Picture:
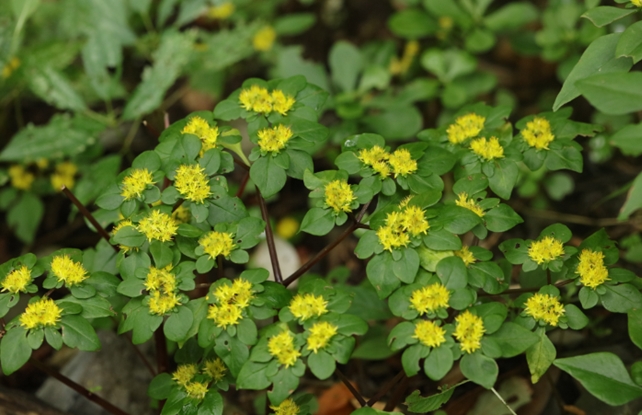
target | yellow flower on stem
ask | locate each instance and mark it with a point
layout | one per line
(414, 221)
(429, 333)
(544, 307)
(306, 306)
(466, 256)
(67, 270)
(162, 302)
(537, 133)
(339, 196)
(202, 129)
(222, 11)
(264, 39)
(469, 331)
(281, 102)
(282, 348)
(41, 313)
(64, 176)
(215, 368)
(591, 268)
(217, 243)
(402, 163)
(21, 178)
(465, 127)
(545, 250)
(225, 315)
(135, 183)
(256, 98)
(192, 183)
(196, 390)
(487, 149)
(184, 374)
(320, 335)
(637, 3)
(376, 158)
(160, 279)
(158, 226)
(287, 407)
(242, 292)
(273, 140)
(17, 280)
(470, 204)
(430, 298)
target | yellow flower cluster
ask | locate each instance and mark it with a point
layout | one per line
(469, 331)
(184, 374)
(544, 307)
(135, 183)
(339, 196)
(182, 214)
(217, 243)
(320, 335)
(400, 66)
(202, 129)
(637, 3)
(306, 306)
(465, 127)
(469, 203)
(67, 270)
(17, 280)
(429, 333)
(545, 250)
(287, 407)
(400, 226)
(41, 313)
(430, 298)
(487, 149)
(215, 368)
(232, 300)
(161, 284)
(259, 99)
(466, 256)
(158, 226)
(538, 133)
(191, 182)
(400, 162)
(64, 176)
(281, 346)
(222, 11)
(196, 390)
(264, 39)
(591, 268)
(21, 178)
(274, 139)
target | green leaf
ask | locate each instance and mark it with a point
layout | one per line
(438, 363)
(504, 179)
(603, 375)
(317, 221)
(406, 268)
(395, 122)
(129, 236)
(564, 158)
(442, 240)
(160, 387)
(24, 217)
(294, 23)
(540, 355)
(94, 307)
(621, 298)
(452, 272)
(597, 58)
(284, 383)
(514, 339)
(603, 15)
(613, 94)
(267, 176)
(576, 319)
(511, 16)
(321, 364)
(233, 352)
(212, 404)
(633, 199)
(635, 326)
(502, 218)
(345, 64)
(178, 324)
(162, 253)
(169, 59)
(381, 275)
(448, 64)
(14, 350)
(480, 369)
(628, 138)
(54, 88)
(412, 24)
(252, 376)
(630, 43)
(421, 405)
(77, 332)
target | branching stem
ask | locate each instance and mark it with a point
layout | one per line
(269, 236)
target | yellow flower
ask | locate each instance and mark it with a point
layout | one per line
(202, 129)
(222, 11)
(414, 221)
(217, 243)
(225, 315)
(67, 270)
(20, 177)
(281, 102)
(376, 158)
(538, 133)
(469, 331)
(243, 292)
(184, 374)
(264, 39)
(41, 313)
(287, 407)
(470, 204)
(135, 183)
(339, 196)
(182, 214)
(429, 333)
(402, 163)
(306, 306)
(191, 182)
(544, 307)
(161, 302)
(466, 256)
(395, 233)
(281, 346)
(160, 279)
(591, 268)
(287, 227)
(159, 226)
(545, 250)
(196, 390)
(487, 149)
(320, 335)
(12, 65)
(430, 298)
(274, 139)
(465, 127)
(401, 66)
(64, 176)
(215, 368)
(17, 280)
(256, 98)
(637, 3)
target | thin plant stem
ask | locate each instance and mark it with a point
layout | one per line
(269, 236)
(87, 214)
(108, 406)
(503, 401)
(241, 189)
(398, 394)
(386, 388)
(351, 388)
(162, 359)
